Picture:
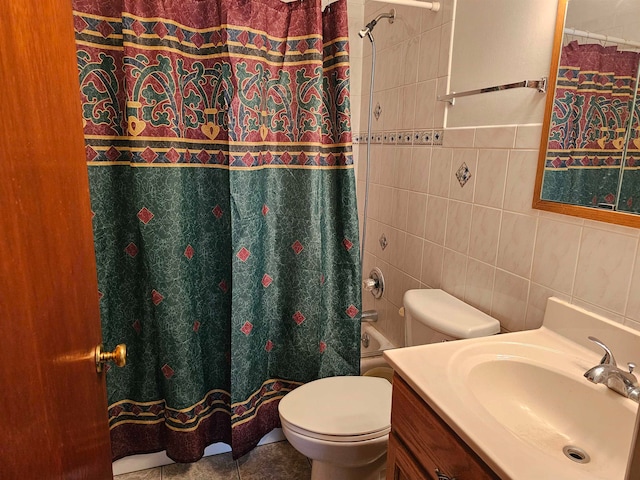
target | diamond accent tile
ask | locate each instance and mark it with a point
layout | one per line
(463, 174)
(437, 137)
(383, 241)
(377, 111)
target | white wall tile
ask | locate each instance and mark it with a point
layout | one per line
(521, 175)
(425, 104)
(495, 137)
(432, 257)
(440, 173)
(528, 136)
(485, 233)
(538, 296)
(458, 226)
(479, 285)
(420, 169)
(515, 248)
(556, 254)
(490, 177)
(429, 55)
(407, 107)
(459, 137)
(411, 261)
(453, 276)
(509, 302)
(399, 210)
(402, 166)
(436, 220)
(416, 213)
(604, 270)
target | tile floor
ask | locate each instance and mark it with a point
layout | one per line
(274, 461)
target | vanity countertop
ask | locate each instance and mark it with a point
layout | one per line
(518, 399)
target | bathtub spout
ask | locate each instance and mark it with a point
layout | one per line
(370, 316)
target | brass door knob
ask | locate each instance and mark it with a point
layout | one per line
(118, 356)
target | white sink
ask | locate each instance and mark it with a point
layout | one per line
(522, 403)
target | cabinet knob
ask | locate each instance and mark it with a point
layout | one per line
(442, 476)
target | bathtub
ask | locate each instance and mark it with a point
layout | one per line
(373, 344)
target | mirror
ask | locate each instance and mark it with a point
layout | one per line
(590, 148)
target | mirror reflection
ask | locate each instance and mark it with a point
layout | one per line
(593, 151)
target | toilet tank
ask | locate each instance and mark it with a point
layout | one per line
(432, 315)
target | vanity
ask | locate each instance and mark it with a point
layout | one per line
(422, 446)
(515, 406)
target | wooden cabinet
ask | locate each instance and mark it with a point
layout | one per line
(423, 447)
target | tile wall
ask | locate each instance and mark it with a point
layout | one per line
(478, 240)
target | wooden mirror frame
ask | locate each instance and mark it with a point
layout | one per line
(620, 218)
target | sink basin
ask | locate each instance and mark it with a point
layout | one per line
(521, 402)
(551, 411)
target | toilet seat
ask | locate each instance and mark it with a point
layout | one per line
(339, 409)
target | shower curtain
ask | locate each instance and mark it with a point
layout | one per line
(593, 98)
(219, 153)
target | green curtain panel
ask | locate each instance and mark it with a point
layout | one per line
(219, 153)
(591, 111)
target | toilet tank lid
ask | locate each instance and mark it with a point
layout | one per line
(445, 313)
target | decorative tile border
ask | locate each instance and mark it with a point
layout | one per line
(404, 137)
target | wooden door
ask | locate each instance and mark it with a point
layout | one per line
(52, 402)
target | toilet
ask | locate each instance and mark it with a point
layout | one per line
(342, 423)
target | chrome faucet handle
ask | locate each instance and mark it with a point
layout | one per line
(608, 358)
(631, 366)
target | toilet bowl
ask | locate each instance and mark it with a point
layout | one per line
(342, 423)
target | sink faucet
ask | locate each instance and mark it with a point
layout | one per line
(608, 373)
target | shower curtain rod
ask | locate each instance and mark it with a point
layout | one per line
(599, 36)
(433, 6)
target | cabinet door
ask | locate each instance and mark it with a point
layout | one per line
(430, 440)
(400, 463)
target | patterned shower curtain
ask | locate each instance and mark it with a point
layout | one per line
(219, 153)
(593, 99)
(629, 200)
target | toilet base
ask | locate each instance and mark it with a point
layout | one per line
(329, 471)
